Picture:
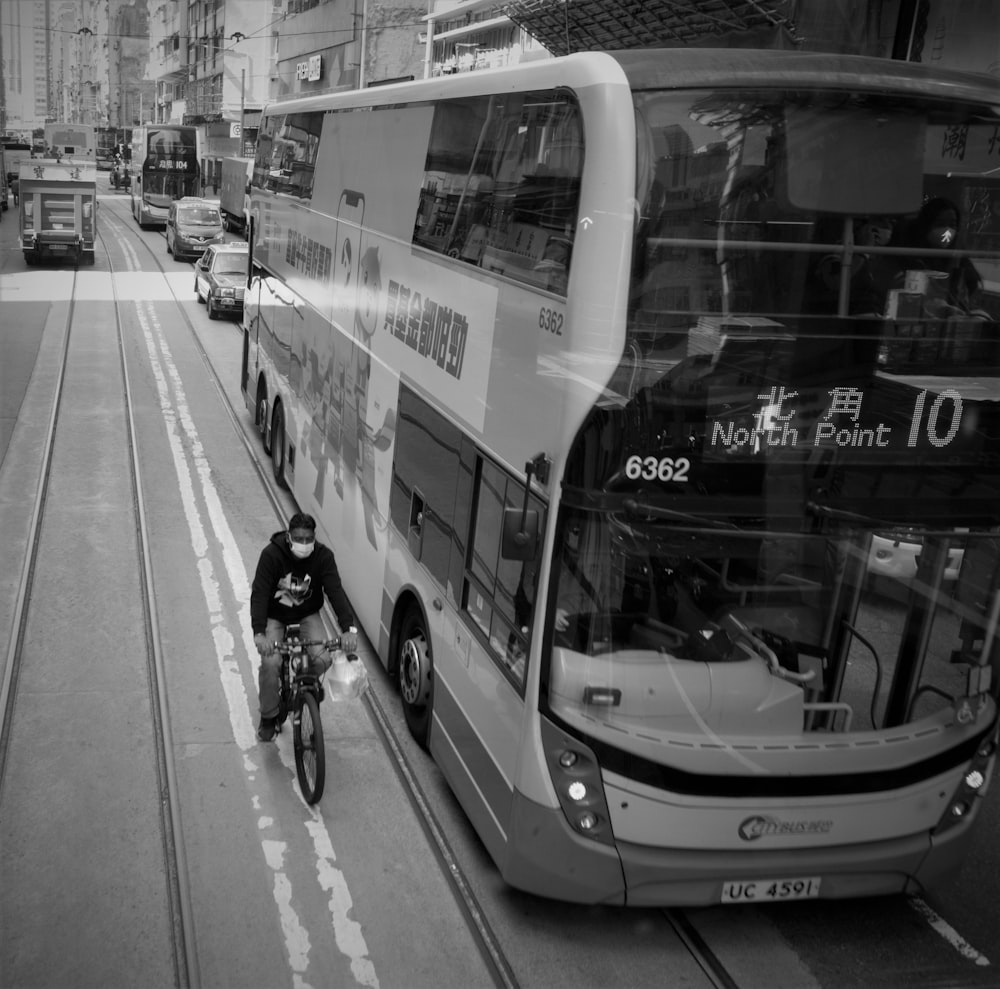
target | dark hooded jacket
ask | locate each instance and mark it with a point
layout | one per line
(287, 589)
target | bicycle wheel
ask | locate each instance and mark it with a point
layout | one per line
(310, 755)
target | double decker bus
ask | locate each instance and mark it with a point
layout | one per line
(609, 405)
(76, 141)
(164, 167)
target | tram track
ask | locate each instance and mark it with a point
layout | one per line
(707, 960)
(179, 910)
(12, 667)
(489, 944)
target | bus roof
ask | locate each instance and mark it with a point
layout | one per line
(742, 68)
(686, 68)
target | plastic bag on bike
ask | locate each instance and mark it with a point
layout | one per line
(347, 679)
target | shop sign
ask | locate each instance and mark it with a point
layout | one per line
(310, 70)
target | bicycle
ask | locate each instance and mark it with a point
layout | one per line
(300, 693)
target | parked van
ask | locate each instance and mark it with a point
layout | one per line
(192, 225)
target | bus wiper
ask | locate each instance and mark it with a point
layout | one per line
(634, 508)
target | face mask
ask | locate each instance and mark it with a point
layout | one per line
(302, 550)
(942, 236)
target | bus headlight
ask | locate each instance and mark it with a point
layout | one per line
(972, 787)
(576, 776)
(974, 779)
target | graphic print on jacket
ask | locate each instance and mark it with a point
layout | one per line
(292, 590)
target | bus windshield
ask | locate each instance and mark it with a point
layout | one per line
(810, 387)
(164, 187)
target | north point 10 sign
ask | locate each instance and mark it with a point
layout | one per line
(933, 421)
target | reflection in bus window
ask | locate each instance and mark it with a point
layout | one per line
(286, 153)
(500, 593)
(733, 230)
(502, 184)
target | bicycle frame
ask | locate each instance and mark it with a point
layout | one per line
(301, 690)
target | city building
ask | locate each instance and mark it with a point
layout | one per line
(474, 34)
(211, 65)
(328, 45)
(216, 63)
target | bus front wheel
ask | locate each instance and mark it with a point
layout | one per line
(416, 675)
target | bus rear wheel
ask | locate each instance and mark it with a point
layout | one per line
(278, 446)
(415, 669)
(261, 421)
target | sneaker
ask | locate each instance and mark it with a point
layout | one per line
(267, 729)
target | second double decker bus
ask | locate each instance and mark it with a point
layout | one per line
(613, 380)
(164, 167)
(75, 141)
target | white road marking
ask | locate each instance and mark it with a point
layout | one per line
(190, 463)
(948, 932)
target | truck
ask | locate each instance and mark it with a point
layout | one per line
(234, 196)
(58, 217)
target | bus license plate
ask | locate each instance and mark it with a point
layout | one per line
(770, 890)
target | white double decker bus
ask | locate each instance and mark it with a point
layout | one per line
(613, 408)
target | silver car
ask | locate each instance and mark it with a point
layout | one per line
(220, 278)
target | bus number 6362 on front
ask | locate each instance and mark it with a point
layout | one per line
(550, 320)
(657, 468)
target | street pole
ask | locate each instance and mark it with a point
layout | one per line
(243, 101)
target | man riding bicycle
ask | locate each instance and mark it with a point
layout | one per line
(293, 572)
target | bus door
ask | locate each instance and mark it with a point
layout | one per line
(136, 190)
(446, 508)
(491, 636)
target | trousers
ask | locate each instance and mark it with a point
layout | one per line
(269, 674)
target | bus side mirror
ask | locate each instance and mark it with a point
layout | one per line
(520, 534)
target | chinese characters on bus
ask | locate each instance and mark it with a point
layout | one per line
(313, 259)
(435, 331)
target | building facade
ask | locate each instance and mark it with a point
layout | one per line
(216, 63)
(210, 62)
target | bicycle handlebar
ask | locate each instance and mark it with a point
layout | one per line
(293, 645)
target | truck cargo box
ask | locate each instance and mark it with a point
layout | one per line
(58, 215)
